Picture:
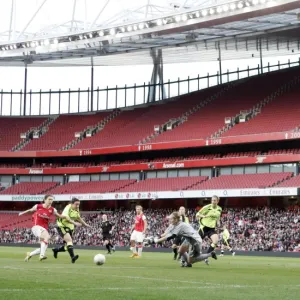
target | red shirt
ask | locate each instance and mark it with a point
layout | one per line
(139, 223)
(42, 216)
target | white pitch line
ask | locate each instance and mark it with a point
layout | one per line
(83, 267)
(108, 289)
(200, 283)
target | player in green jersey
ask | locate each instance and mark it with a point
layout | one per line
(209, 217)
(66, 229)
(226, 243)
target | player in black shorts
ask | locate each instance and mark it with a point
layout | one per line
(209, 217)
(107, 228)
(226, 242)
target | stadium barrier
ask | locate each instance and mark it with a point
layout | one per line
(161, 195)
(168, 250)
(30, 103)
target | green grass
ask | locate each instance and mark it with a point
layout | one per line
(156, 276)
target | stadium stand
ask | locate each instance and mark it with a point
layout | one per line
(262, 180)
(293, 182)
(47, 165)
(12, 127)
(92, 187)
(241, 154)
(209, 120)
(193, 122)
(29, 188)
(62, 131)
(279, 115)
(165, 184)
(283, 151)
(133, 126)
(82, 165)
(11, 221)
(13, 166)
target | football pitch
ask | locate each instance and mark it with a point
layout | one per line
(155, 276)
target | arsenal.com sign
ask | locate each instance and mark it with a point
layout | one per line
(269, 192)
(173, 165)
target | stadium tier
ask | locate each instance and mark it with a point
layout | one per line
(47, 165)
(165, 184)
(133, 126)
(216, 156)
(194, 117)
(283, 151)
(13, 166)
(92, 187)
(11, 221)
(29, 188)
(262, 180)
(279, 115)
(210, 119)
(62, 131)
(11, 128)
(241, 154)
(294, 181)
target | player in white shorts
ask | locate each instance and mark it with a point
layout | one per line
(138, 234)
(41, 217)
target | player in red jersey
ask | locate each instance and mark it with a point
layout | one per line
(41, 217)
(138, 232)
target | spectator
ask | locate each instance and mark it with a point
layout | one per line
(251, 229)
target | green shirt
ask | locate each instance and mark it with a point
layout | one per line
(73, 214)
(212, 215)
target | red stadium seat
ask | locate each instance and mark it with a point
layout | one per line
(29, 188)
(11, 128)
(62, 131)
(244, 181)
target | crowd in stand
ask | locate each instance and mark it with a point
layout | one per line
(264, 229)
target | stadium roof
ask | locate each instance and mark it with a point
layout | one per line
(188, 34)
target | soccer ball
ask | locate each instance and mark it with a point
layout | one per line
(99, 259)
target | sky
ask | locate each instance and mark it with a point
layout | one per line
(55, 78)
(57, 12)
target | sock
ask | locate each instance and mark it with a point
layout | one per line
(70, 249)
(184, 257)
(44, 246)
(35, 252)
(140, 250)
(211, 248)
(108, 248)
(222, 251)
(60, 249)
(175, 250)
(201, 257)
(133, 249)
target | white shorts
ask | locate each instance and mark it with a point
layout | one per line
(137, 236)
(37, 230)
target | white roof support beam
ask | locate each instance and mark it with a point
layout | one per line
(32, 18)
(99, 14)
